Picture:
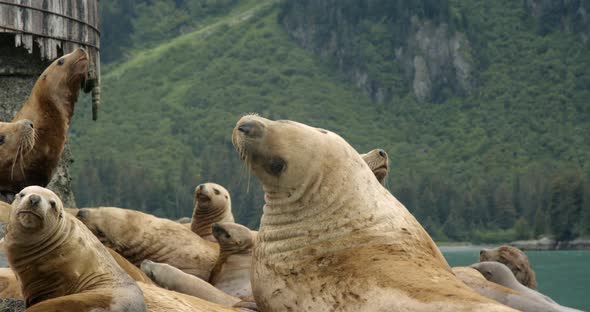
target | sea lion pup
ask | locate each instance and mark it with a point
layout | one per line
(172, 278)
(516, 260)
(331, 237)
(501, 294)
(50, 107)
(138, 236)
(9, 287)
(17, 140)
(212, 205)
(232, 270)
(378, 162)
(60, 265)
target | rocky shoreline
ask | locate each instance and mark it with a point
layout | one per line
(546, 243)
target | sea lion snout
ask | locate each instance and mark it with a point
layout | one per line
(250, 127)
(34, 199)
(382, 153)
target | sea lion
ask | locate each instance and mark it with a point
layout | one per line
(232, 270)
(331, 237)
(172, 278)
(515, 259)
(138, 236)
(50, 108)
(504, 295)
(500, 274)
(212, 205)
(60, 265)
(378, 162)
(134, 272)
(9, 287)
(16, 142)
(164, 300)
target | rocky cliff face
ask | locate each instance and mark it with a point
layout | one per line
(18, 73)
(388, 48)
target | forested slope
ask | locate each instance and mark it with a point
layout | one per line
(482, 106)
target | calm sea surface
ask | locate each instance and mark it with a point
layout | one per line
(562, 275)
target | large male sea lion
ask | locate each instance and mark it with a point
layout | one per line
(332, 238)
(212, 205)
(515, 259)
(60, 265)
(172, 278)
(501, 294)
(232, 270)
(138, 236)
(500, 274)
(50, 108)
(378, 162)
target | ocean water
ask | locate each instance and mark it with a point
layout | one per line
(562, 275)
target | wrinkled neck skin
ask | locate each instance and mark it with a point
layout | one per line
(322, 217)
(35, 259)
(205, 215)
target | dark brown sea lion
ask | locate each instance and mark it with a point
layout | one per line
(50, 107)
(212, 205)
(515, 259)
(16, 142)
(59, 263)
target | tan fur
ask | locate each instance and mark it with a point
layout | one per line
(50, 107)
(378, 162)
(212, 205)
(172, 278)
(516, 260)
(9, 287)
(60, 265)
(232, 270)
(138, 236)
(5, 212)
(163, 300)
(17, 140)
(134, 272)
(332, 238)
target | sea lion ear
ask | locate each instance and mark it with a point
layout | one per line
(45, 77)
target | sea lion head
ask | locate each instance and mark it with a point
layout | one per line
(293, 160)
(378, 161)
(495, 272)
(36, 209)
(516, 260)
(16, 141)
(233, 238)
(65, 76)
(211, 196)
(107, 224)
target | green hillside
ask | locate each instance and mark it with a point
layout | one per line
(508, 159)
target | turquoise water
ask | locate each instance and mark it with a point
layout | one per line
(562, 275)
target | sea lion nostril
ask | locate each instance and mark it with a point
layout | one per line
(382, 153)
(246, 127)
(34, 199)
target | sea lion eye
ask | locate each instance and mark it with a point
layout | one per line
(1, 139)
(276, 166)
(216, 191)
(60, 62)
(52, 203)
(22, 195)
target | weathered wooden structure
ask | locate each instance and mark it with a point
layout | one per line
(32, 34)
